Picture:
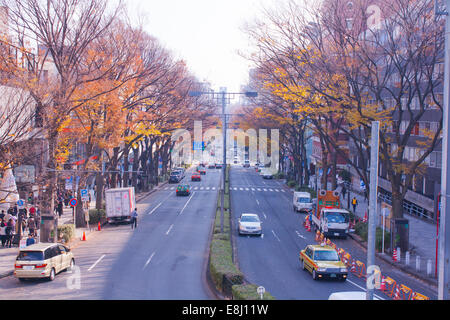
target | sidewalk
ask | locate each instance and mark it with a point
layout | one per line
(8, 255)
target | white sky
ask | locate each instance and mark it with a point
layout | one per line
(204, 33)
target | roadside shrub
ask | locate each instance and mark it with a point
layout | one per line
(361, 230)
(248, 292)
(66, 232)
(291, 184)
(96, 216)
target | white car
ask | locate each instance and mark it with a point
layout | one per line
(250, 224)
(266, 174)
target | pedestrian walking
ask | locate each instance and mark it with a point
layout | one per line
(354, 204)
(60, 208)
(3, 232)
(344, 191)
(31, 225)
(9, 233)
(134, 219)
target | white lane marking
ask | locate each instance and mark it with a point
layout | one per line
(262, 235)
(168, 231)
(195, 188)
(364, 289)
(270, 190)
(166, 188)
(298, 233)
(265, 217)
(151, 212)
(241, 189)
(282, 190)
(257, 202)
(253, 189)
(259, 189)
(187, 202)
(96, 262)
(148, 261)
(207, 188)
(276, 236)
(276, 190)
(172, 188)
(247, 189)
(265, 189)
(201, 188)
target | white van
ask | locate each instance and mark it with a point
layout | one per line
(302, 202)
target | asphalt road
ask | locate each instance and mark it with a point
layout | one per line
(272, 260)
(164, 258)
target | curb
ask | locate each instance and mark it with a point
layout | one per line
(415, 275)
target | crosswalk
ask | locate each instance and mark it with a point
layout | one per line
(243, 189)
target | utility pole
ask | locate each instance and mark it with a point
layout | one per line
(444, 234)
(373, 202)
(224, 98)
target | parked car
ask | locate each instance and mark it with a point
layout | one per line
(249, 223)
(43, 260)
(183, 190)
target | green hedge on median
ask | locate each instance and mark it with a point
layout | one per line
(248, 292)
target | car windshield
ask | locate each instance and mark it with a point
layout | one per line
(304, 200)
(326, 255)
(249, 219)
(30, 256)
(337, 217)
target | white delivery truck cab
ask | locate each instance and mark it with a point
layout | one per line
(302, 202)
(120, 204)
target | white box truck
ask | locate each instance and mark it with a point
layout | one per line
(120, 203)
(302, 202)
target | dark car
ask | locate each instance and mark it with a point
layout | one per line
(211, 166)
(218, 166)
(183, 190)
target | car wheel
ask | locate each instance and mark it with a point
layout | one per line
(314, 275)
(72, 264)
(52, 275)
(23, 279)
(343, 279)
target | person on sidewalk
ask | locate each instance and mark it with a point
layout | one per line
(134, 219)
(31, 225)
(344, 192)
(9, 233)
(354, 204)
(3, 233)
(30, 240)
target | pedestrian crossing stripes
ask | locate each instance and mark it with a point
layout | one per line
(256, 189)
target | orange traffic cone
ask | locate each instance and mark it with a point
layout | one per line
(394, 255)
(84, 236)
(99, 226)
(383, 284)
(397, 293)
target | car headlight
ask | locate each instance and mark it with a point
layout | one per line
(343, 269)
(322, 269)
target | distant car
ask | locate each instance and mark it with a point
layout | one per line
(202, 171)
(175, 177)
(211, 166)
(246, 164)
(43, 260)
(266, 174)
(323, 262)
(218, 166)
(250, 224)
(183, 190)
(196, 177)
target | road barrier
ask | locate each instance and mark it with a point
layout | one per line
(361, 272)
(405, 292)
(418, 296)
(390, 286)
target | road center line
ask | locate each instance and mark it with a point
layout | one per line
(257, 202)
(148, 261)
(96, 262)
(187, 202)
(170, 228)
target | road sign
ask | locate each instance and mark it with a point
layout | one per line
(20, 204)
(261, 291)
(73, 202)
(84, 192)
